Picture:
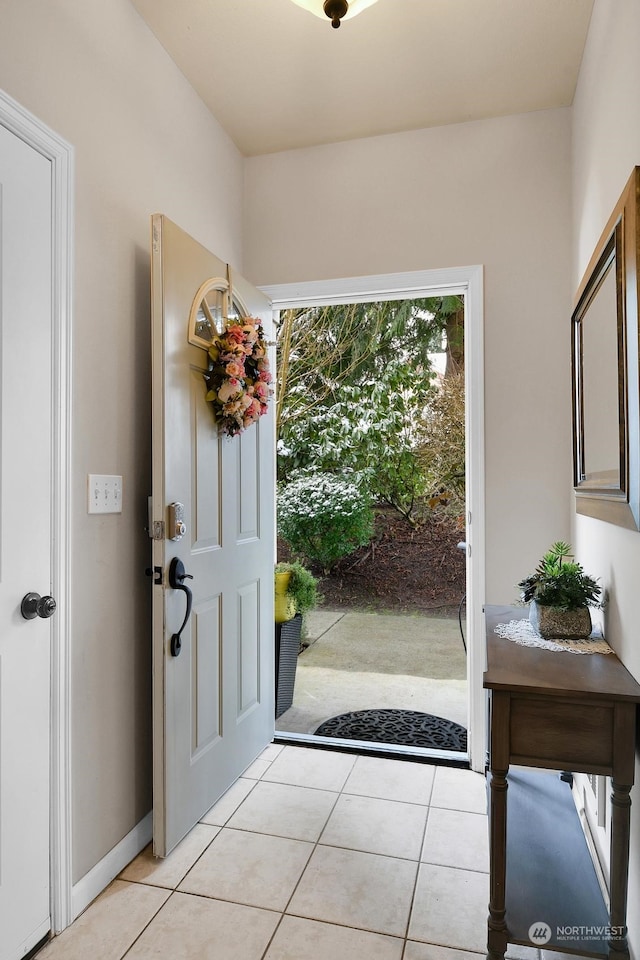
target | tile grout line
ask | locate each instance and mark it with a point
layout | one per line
(174, 890)
(304, 870)
(316, 843)
(146, 926)
(415, 883)
(342, 791)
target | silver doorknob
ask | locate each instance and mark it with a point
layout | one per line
(33, 605)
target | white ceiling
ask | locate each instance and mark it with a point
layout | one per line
(278, 78)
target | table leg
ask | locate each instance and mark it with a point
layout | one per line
(496, 924)
(619, 868)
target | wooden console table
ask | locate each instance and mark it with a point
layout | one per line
(555, 711)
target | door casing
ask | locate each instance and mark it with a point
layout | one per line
(42, 139)
(468, 281)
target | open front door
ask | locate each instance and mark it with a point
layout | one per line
(212, 518)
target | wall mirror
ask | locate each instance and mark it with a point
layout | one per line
(605, 371)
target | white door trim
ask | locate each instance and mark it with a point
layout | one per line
(35, 133)
(424, 283)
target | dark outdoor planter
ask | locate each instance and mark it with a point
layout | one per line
(287, 649)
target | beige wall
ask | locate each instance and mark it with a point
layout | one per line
(606, 146)
(144, 143)
(496, 193)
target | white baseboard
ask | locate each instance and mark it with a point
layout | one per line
(93, 883)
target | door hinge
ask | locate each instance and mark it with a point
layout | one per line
(157, 530)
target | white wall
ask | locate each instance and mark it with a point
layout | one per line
(606, 146)
(497, 193)
(144, 143)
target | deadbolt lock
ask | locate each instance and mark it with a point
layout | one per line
(176, 525)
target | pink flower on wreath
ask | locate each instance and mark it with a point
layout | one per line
(261, 391)
(234, 334)
(265, 376)
(230, 389)
(234, 369)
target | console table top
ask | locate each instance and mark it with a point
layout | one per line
(513, 667)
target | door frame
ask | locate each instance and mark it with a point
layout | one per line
(468, 281)
(46, 142)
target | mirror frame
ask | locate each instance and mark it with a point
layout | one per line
(619, 250)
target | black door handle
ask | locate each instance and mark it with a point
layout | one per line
(33, 605)
(177, 576)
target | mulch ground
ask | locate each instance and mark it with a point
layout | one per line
(404, 569)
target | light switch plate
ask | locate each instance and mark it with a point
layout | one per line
(104, 493)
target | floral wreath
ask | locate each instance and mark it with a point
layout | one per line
(238, 377)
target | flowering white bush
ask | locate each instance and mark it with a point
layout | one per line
(370, 431)
(323, 518)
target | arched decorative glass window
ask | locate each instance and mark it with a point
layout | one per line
(210, 309)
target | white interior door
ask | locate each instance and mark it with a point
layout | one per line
(25, 542)
(214, 701)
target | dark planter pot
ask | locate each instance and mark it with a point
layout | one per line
(555, 624)
(287, 650)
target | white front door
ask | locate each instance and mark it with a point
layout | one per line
(25, 541)
(214, 689)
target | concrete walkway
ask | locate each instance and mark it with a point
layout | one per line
(360, 661)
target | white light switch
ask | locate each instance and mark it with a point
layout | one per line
(104, 494)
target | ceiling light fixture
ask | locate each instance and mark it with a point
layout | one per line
(335, 10)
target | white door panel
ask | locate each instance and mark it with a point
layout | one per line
(213, 703)
(25, 545)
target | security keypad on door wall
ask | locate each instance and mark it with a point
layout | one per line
(176, 527)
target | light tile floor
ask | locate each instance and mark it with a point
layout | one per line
(311, 855)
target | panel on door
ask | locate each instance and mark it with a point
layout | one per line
(214, 690)
(25, 544)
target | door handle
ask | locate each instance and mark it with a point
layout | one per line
(177, 576)
(33, 605)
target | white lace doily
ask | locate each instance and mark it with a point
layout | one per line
(521, 631)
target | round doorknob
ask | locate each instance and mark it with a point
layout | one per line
(33, 605)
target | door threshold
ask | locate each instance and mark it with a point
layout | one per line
(395, 751)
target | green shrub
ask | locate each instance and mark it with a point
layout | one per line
(303, 586)
(369, 430)
(324, 518)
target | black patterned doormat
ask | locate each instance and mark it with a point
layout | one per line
(406, 727)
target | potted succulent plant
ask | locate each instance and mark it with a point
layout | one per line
(560, 593)
(296, 593)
